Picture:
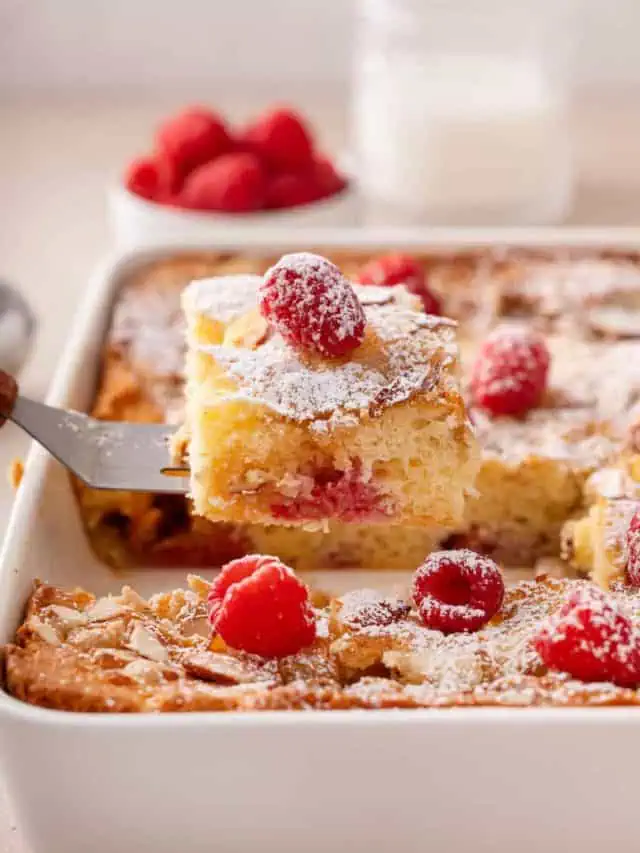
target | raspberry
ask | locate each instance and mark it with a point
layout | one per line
(152, 178)
(312, 305)
(633, 551)
(191, 138)
(327, 180)
(234, 183)
(591, 639)
(509, 375)
(258, 605)
(290, 189)
(457, 591)
(281, 139)
(396, 268)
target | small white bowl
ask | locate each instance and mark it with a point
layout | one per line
(136, 222)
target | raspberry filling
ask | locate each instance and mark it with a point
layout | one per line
(509, 375)
(258, 605)
(336, 494)
(633, 551)
(591, 638)
(457, 591)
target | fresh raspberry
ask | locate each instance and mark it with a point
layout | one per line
(592, 639)
(396, 268)
(290, 189)
(193, 137)
(457, 591)
(258, 605)
(312, 305)
(633, 551)
(281, 139)
(327, 180)
(234, 183)
(153, 178)
(509, 375)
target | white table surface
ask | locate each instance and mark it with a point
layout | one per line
(56, 158)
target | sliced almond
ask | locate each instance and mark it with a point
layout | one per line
(223, 669)
(145, 644)
(248, 331)
(104, 608)
(68, 616)
(614, 321)
(44, 631)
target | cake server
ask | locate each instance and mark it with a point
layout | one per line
(103, 454)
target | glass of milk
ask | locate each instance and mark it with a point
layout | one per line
(459, 111)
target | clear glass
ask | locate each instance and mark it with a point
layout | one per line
(459, 111)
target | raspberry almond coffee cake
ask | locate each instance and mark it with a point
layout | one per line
(288, 372)
(311, 400)
(256, 639)
(548, 342)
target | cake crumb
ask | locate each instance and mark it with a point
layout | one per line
(15, 473)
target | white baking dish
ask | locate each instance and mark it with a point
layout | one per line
(487, 780)
(136, 222)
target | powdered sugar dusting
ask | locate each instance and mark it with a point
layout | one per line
(151, 326)
(556, 288)
(223, 298)
(417, 355)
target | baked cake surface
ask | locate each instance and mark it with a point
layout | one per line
(124, 653)
(277, 435)
(534, 471)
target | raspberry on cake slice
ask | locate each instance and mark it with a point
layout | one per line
(310, 399)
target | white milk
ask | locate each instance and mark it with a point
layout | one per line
(460, 139)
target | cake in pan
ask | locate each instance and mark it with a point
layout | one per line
(533, 466)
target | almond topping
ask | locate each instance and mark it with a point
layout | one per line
(144, 642)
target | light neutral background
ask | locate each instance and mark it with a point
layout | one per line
(83, 81)
(283, 46)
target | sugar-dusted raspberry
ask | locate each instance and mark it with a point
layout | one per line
(509, 375)
(193, 137)
(633, 551)
(312, 305)
(281, 139)
(591, 638)
(457, 591)
(258, 605)
(398, 268)
(234, 183)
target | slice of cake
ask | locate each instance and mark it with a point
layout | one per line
(536, 458)
(596, 541)
(310, 400)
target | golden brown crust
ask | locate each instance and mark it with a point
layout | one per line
(125, 654)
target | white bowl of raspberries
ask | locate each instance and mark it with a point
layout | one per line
(205, 180)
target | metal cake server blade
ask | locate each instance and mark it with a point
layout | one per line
(103, 454)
